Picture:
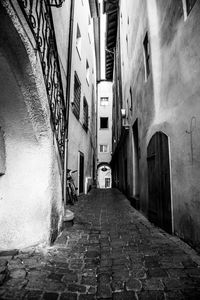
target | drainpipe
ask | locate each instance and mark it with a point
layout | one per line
(69, 64)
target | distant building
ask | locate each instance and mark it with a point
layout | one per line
(104, 134)
(156, 125)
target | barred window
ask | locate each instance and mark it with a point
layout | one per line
(85, 114)
(103, 148)
(104, 101)
(77, 96)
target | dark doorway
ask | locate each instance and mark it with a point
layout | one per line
(93, 170)
(136, 153)
(81, 173)
(125, 177)
(159, 209)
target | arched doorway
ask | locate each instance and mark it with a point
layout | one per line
(136, 185)
(104, 173)
(159, 209)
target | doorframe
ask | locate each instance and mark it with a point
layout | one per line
(170, 171)
(135, 160)
(79, 154)
(171, 189)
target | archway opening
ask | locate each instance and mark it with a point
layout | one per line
(104, 176)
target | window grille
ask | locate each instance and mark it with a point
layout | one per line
(103, 148)
(85, 114)
(39, 18)
(104, 101)
(77, 96)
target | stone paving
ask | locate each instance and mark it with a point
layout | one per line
(111, 252)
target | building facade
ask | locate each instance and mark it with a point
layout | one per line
(104, 134)
(155, 110)
(35, 67)
(82, 110)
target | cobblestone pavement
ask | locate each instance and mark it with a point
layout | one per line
(111, 252)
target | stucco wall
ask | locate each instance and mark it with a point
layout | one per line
(167, 101)
(132, 29)
(179, 104)
(79, 139)
(30, 189)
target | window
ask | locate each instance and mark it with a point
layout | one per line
(189, 5)
(85, 114)
(104, 101)
(146, 56)
(77, 96)
(131, 96)
(89, 29)
(107, 182)
(127, 42)
(78, 40)
(103, 123)
(103, 148)
(87, 72)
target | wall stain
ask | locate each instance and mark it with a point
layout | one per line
(189, 230)
(174, 13)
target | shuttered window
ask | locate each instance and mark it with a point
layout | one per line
(85, 114)
(77, 96)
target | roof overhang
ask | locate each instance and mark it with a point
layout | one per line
(111, 9)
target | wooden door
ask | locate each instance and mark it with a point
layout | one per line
(159, 209)
(81, 173)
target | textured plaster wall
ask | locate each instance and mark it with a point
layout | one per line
(168, 100)
(79, 139)
(30, 189)
(104, 136)
(180, 92)
(133, 27)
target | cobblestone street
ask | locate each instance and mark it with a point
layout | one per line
(111, 252)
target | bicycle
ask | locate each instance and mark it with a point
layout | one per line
(71, 188)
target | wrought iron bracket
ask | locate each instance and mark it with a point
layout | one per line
(55, 3)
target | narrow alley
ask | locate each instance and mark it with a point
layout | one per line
(110, 252)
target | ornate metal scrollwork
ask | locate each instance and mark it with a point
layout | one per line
(57, 3)
(39, 18)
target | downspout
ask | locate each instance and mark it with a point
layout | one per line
(69, 64)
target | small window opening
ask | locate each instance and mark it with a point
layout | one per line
(103, 123)
(146, 47)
